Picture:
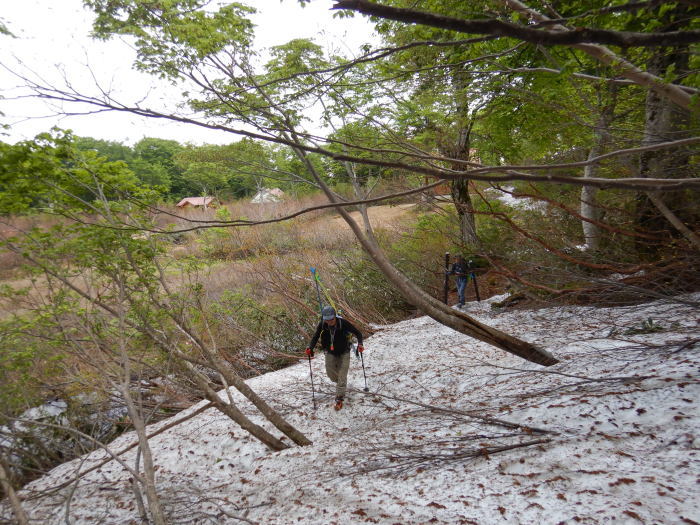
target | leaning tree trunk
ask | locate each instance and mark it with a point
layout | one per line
(266, 410)
(230, 409)
(425, 302)
(233, 379)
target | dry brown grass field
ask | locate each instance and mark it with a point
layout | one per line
(238, 257)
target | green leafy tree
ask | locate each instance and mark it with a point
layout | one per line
(155, 164)
(67, 176)
(567, 44)
(182, 40)
(205, 178)
(107, 297)
(109, 149)
(239, 168)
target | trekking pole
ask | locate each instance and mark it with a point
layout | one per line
(447, 277)
(473, 276)
(320, 308)
(313, 391)
(362, 360)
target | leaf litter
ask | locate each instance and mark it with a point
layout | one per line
(451, 431)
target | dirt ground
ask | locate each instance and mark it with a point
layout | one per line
(384, 216)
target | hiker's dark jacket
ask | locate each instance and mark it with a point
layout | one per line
(339, 333)
(460, 270)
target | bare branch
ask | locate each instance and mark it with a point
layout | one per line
(674, 220)
(528, 34)
(590, 41)
(482, 173)
(9, 490)
(485, 419)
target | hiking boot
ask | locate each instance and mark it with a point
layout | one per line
(338, 403)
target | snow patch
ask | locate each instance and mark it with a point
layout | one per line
(452, 431)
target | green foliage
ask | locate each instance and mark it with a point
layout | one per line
(4, 30)
(361, 135)
(152, 160)
(51, 173)
(30, 358)
(173, 35)
(648, 326)
(152, 175)
(110, 150)
(367, 288)
(431, 234)
(296, 56)
(494, 233)
(234, 170)
(155, 165)
(272, 323)
(216, 242)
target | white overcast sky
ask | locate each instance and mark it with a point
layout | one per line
(53, 42)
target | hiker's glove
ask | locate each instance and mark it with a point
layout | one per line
(360, 348)
(309, 352)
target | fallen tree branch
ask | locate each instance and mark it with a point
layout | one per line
(485, 419)
(409, 461)
(170, 425)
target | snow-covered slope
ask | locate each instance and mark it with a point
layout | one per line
(452, 431)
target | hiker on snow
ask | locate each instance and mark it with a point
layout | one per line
(459, 268)
(334, 332)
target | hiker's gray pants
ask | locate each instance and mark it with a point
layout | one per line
(337, 370)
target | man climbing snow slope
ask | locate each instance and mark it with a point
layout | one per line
(335, 333)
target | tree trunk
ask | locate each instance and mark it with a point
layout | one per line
(149, 477)
(589, 205)
(590, 210)
(232, 411)
(233, 379)
(674, 220)
(270, 413)
(465, 211)
(664, 121)
(460, 150)
(149, 473)
(455, 319)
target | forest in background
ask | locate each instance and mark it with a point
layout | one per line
(571, 179)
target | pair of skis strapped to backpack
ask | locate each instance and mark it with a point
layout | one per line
(319, 288)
